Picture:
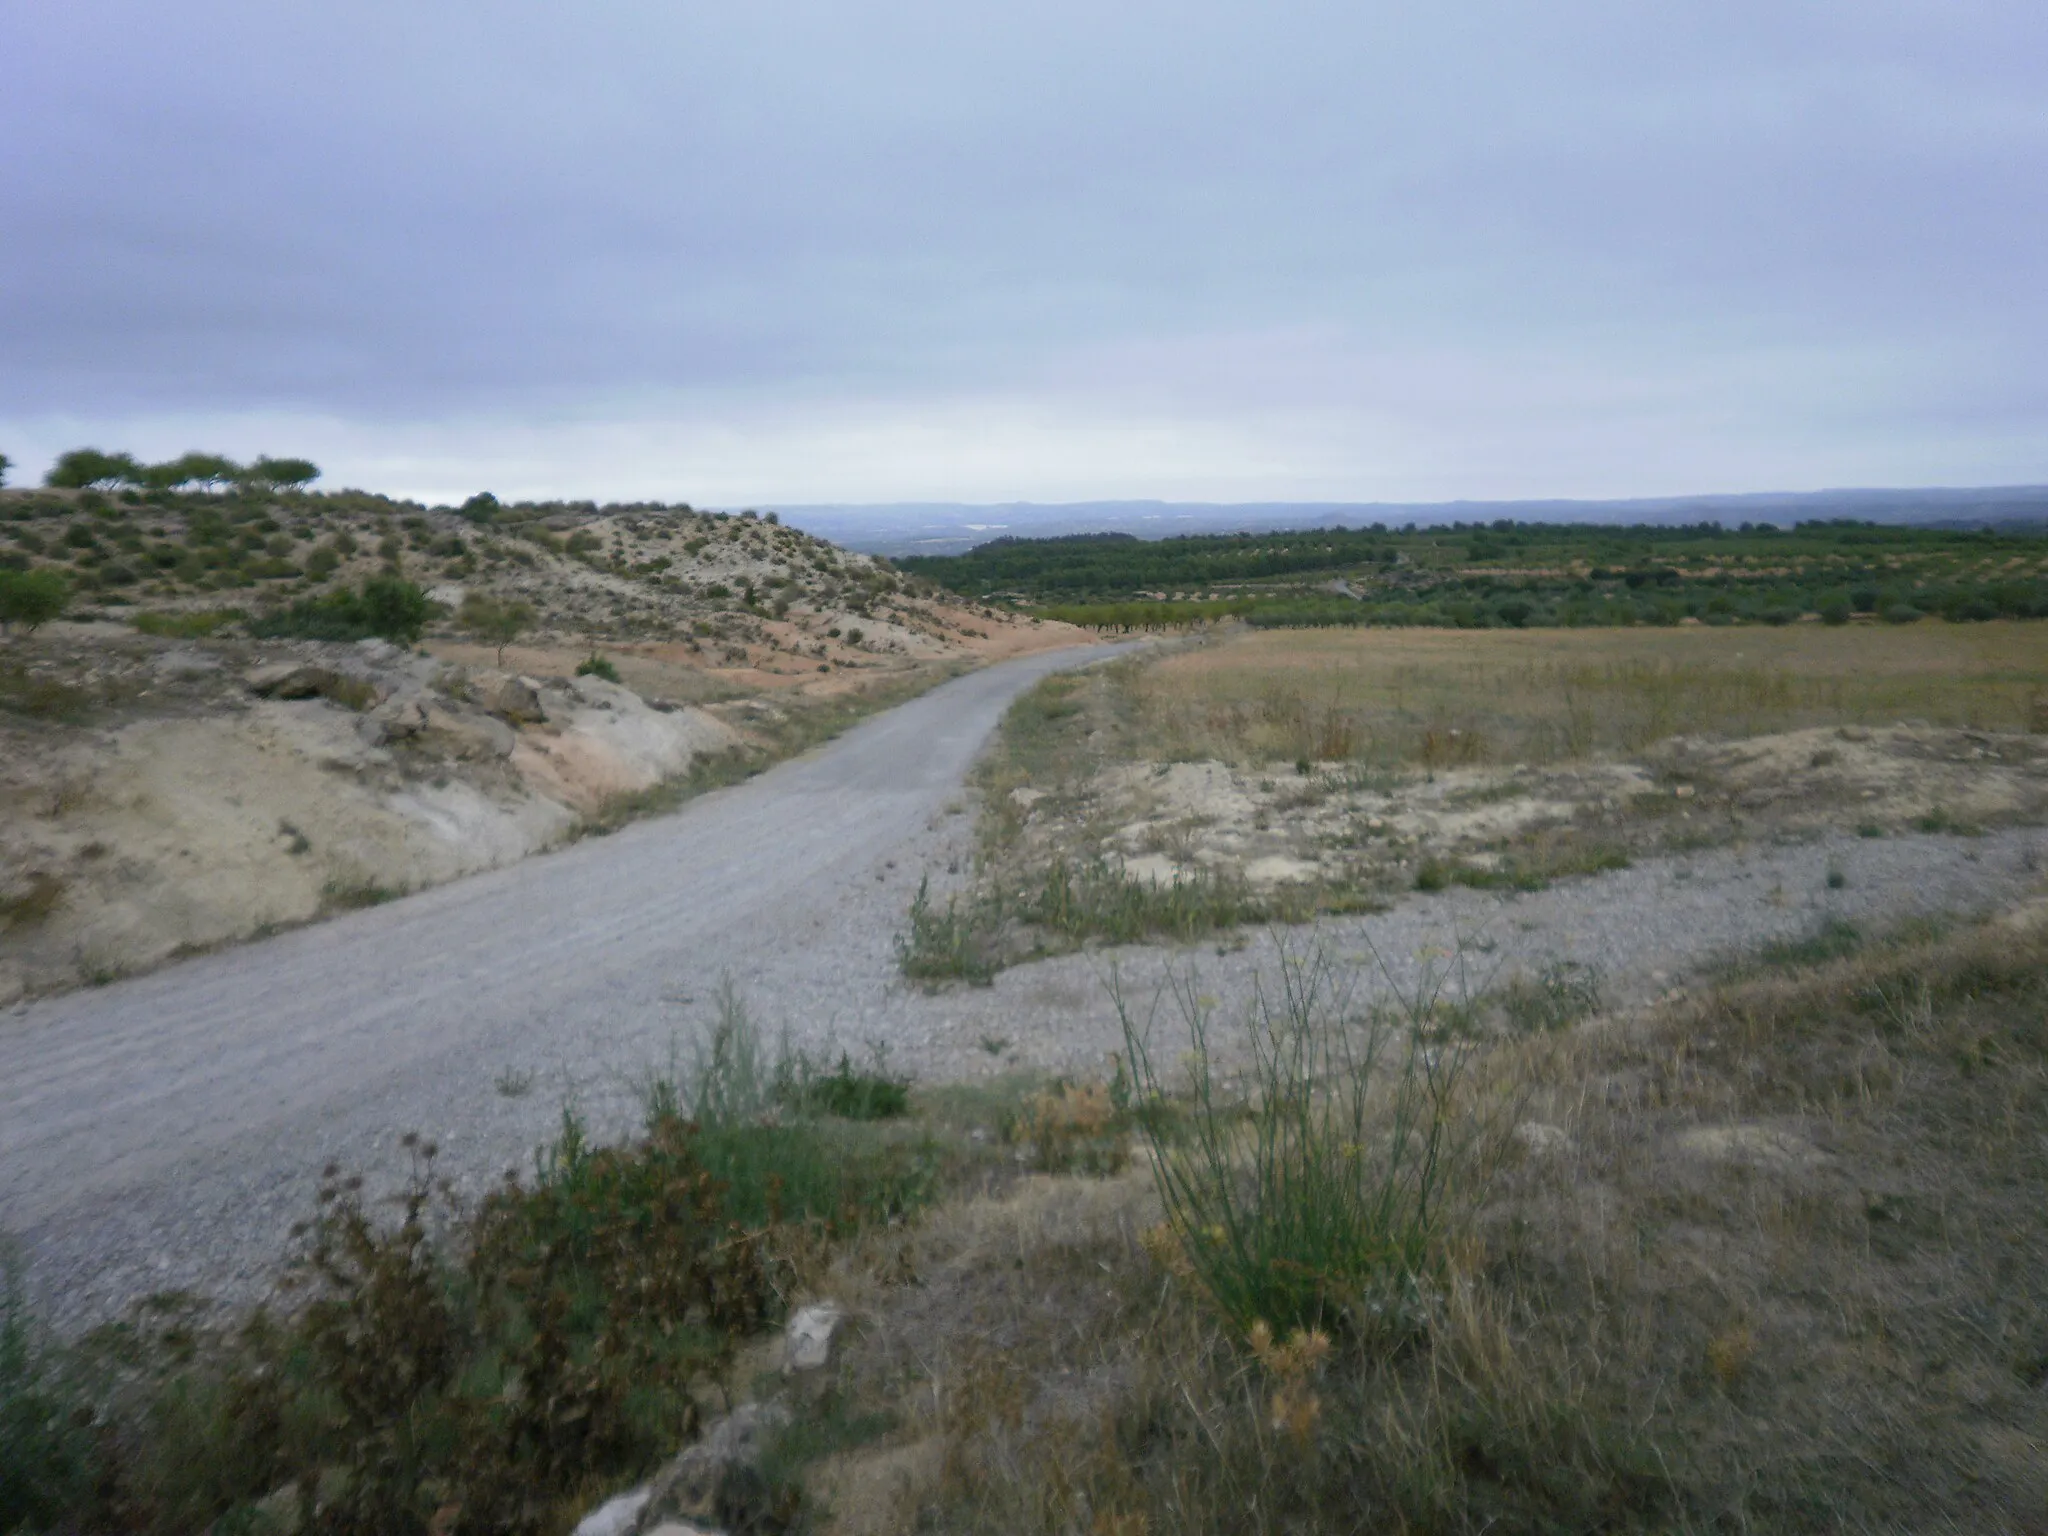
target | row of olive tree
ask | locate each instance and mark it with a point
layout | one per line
(92, 469)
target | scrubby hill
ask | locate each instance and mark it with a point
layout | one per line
(738, 589)
(220, 737)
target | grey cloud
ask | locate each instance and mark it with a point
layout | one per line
(400, 209)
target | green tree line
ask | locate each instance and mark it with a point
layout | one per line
(92, 469)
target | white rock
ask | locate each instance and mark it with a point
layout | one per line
(807, 1340)
(614, 1517)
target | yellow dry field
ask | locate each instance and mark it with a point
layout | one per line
(1463, 696)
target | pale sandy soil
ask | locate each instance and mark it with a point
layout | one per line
(171, 809)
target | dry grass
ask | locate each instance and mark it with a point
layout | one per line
(1449, 698)
(1774, 1258)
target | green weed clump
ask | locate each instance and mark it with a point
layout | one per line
(1096, 899)
(1532, 870)
(1557, 997)
(47, 1460)
(387, 607)
(187, 626)
(960, 941)
(1072, 901)
(762, 1131)
(1830, 941)
(1316, 1196)
(848, 1093)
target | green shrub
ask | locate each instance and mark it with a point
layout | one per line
(847, 1093)
(48, 1460)
(959, 942)
(1318, 1197)
(1559, 996)
(31, 598)
(384, 606)
(1833, 939)
(754, 1115)
(187, 626)
(1095, 899)
(497, 622)
(597, 666)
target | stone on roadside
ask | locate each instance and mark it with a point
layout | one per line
(293, 680)
(467, 735)
(615, 1516)
(284, 680)
(807, 1339)
(720, 1475)
(509, 698)
(399, 718)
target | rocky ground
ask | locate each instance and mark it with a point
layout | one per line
(1340, 828)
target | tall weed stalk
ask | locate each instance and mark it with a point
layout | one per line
(1317, 1195)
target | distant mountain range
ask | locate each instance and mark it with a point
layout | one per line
(946, 527)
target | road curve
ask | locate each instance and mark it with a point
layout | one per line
(163, 1132)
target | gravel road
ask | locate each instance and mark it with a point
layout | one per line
(164, 1132)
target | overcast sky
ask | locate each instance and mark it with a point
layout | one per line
(777, 252)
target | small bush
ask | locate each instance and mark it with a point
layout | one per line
(959, 942)
(1096, 899)
(1561, 994)
(597, 666)
(497, 622)
(187, 626)
(1833, 939)
(387, 607)
(48, 1464)
(1318, 1197)
(32, 901)
(848, 1094)
(1075, 1128)
(23, 692)
(31, 598)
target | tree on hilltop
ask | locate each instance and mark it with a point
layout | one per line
(90, 469)
(286, 474)
(211, 470)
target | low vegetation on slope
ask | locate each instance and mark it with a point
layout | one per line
(260, 551)
(1509, 575)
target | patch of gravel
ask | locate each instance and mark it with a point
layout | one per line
(1644, 930)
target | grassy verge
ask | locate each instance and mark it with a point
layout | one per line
(1064, 905)
(1771, 1258)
